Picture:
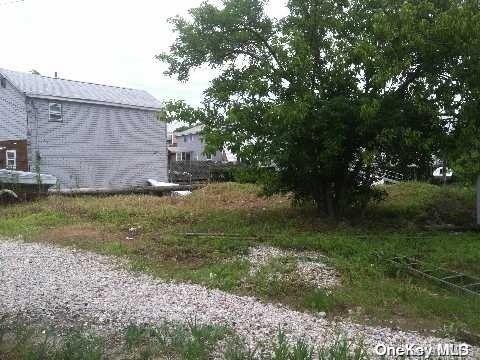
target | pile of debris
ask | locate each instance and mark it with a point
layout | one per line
(311, 266)
(23, 185)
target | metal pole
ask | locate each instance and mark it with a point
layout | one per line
(478, 200)
(444, 172)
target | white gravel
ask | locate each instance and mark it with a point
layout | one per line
(311, 266)
(66, 286)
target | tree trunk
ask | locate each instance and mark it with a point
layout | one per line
(326, 201)
(332, 211)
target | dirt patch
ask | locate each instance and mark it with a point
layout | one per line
(71, 234)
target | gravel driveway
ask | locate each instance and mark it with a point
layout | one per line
(59, 285)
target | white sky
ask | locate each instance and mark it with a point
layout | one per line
(103, 41)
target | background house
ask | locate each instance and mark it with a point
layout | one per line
(87, 135)
(188, 145)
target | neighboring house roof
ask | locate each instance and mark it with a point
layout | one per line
(39, 86)
(193, 130)
(231, 157)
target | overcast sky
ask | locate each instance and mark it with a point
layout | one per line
(103, 41)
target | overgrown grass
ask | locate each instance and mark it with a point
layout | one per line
(19, 341)
(409, 222)
(190, 341)
(414, 204)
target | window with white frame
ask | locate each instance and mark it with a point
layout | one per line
(183, 156)
(55, 112)
(11, 156)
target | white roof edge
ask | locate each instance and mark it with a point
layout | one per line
(86, 101)
(191, 130)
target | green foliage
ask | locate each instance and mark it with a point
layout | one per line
(81, 346)
(284, 351)
(318, 300)
(19, 341)
(422, 203)
(341, 349)
(226, 276)
(192, 341)
(200, 341)
(31, 222)
(466, 155)
(252, 175)
(335, 92)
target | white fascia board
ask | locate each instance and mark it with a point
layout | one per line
(93, 102)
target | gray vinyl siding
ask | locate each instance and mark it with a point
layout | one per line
(13, 115)
(195, 145)
(98, 146)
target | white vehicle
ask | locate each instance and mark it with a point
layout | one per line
(438, 173)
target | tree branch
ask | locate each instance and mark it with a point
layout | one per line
(264, 41)
(409, 79)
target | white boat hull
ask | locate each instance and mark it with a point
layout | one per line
(26, 178)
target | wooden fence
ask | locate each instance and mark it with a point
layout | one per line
(191, 172)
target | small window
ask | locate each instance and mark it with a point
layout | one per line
(183, 156)
(185, 138)
(3, 82)
(191, 137)
(55, 111)
(11, 156)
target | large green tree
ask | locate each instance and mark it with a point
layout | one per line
(334, 92)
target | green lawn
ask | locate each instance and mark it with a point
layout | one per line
(408, 222)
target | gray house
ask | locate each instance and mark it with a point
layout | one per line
(87, 135)
(188, 145)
